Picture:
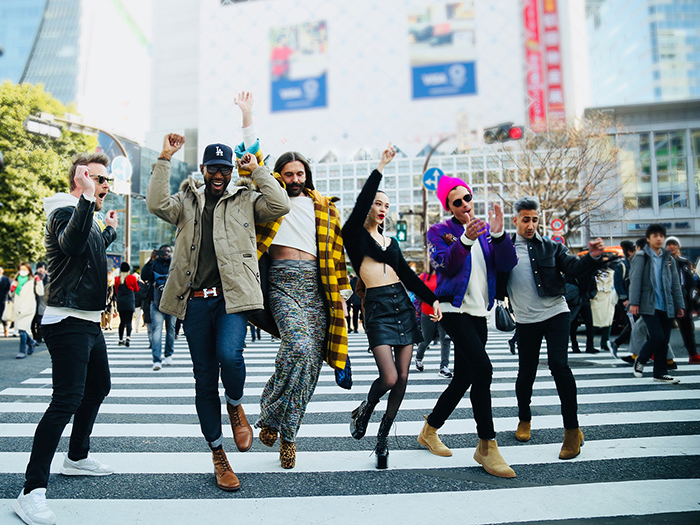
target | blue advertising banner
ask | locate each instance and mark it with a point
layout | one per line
(299, 66)
(299, 94)
(442, 49)
(444, 80)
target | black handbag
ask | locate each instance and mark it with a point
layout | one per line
(344, 377)
(504, 319)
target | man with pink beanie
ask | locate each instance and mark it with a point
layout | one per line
(466, 253)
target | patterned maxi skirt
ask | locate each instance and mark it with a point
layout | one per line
(297, 307)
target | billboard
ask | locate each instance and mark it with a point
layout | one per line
(442, 49)
(556, 111)
(299, 66)
(533, 64)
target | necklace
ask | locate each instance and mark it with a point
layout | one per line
(384, 249)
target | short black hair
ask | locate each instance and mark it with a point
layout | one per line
(640, 243)
(124, 267)
(653, 228)
(292, 156)
(525, 203)
(40, 264)
(627, 246)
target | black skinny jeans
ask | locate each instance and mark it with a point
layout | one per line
(472, 367)
(80, 373)
(126, 318)
(659, 326)
(555, 331)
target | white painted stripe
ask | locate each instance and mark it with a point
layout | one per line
(335, 390)
(324, 407)
(557, 502)
(403, 428)
(359, 460)
(328, 375)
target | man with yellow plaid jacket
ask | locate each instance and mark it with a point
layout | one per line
(308, 287)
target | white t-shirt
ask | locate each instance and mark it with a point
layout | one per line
(476, 298)
(298, 228)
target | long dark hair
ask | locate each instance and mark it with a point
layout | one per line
(292, 156)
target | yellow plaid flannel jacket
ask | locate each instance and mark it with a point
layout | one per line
(331, 264)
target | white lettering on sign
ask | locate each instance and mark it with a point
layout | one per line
(291, 93)
(434, 79)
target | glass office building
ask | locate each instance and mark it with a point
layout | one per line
(19, 24)
(644, 50)
(659, 172)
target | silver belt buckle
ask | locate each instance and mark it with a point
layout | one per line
(210, 291)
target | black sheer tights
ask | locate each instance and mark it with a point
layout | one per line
(393, 376)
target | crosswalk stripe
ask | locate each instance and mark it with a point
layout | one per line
(503, 505)
(146, 408)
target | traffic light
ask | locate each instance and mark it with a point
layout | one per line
(503, 133)
(401, 230)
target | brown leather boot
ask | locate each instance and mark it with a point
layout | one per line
(428, 438)
(225, 478)
(523, 431)
(573, 439)
(288, 454)
(488, 456)
(242, 432)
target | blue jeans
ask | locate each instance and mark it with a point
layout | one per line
(429, 327)
(216, 342)
(24, 340)
(157, 318)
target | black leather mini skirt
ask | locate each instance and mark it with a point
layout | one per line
(390, 318)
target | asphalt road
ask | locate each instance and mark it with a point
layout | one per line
(640, 463)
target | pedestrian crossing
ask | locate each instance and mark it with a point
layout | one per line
(641, 456)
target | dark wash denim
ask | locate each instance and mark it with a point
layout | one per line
(472, 368)
(555, 331)
(80, 373)
(659, 326)
(216, 340)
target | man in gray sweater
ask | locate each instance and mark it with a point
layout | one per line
(655, 294)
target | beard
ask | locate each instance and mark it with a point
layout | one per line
(294, 190)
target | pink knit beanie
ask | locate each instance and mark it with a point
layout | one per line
(446, 185)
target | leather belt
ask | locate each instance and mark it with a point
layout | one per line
(206, 292)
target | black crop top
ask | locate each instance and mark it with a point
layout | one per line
(359, 242)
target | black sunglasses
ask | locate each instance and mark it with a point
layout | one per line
(457, 203)
(225, 170)
(101, 179)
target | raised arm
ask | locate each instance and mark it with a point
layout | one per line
(158, 199)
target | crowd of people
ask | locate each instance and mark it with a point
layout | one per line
(269, 248)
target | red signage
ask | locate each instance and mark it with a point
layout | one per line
(557, 225)
(559, 239)
(553, 77)
(533, 64)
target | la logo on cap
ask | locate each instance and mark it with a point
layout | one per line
(219, 152)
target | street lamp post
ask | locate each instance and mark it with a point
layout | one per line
(44, 125)
(424, 215)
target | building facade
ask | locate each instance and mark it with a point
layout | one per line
(644, 51)
(659, 173)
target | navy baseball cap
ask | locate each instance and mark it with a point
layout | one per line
(218, 154)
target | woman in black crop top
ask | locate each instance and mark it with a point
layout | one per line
(389, 317)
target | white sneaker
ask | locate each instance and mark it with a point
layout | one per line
(168, 360)
(32, 508)
(445, 372)
(84, 467)
(156, 366)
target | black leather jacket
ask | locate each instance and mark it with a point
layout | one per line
(549, 261)
(685, 273)
(76, 255)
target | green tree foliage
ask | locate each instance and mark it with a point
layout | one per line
(35, 167)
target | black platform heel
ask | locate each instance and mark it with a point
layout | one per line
(360, 419)
(382, 449)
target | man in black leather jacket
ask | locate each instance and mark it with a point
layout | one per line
(536, 289)
(76, 254)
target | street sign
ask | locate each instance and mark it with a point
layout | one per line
(121, 171)
(558, 238)
(557, 225)
(431, 178)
